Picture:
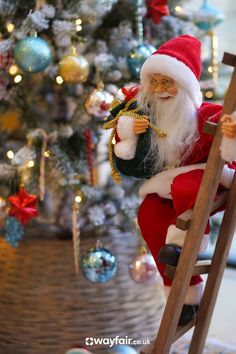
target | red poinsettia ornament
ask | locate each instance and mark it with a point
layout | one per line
(156, 9)
(23, 206)
(130, 92)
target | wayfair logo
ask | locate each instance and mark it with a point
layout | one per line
(110, 342)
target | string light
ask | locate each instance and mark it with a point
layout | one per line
(10, 154)
(31, 163)
(78, 199)
(13, 70)
(47, 153)
(59, 80)
(78, 28)
(210, 69)
(178, 9)
(10, 27)
(78, 21)
(17, 79)
(209, 94)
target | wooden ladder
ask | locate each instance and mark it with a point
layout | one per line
(195, 222)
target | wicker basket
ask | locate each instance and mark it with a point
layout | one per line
(45, 308)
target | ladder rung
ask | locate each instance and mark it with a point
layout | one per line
(183, 222)
(183, 329)
(201, 267)
(229, 59)
(210, 128)
(180, 331)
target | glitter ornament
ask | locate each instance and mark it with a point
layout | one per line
(137, 56)
(143, 268)
(14, 231)
(122, 349)
(74, 68)
(98, 102)
(98, 265)
(32, 54)
(208, 17)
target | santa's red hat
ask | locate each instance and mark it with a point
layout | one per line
(179, 58)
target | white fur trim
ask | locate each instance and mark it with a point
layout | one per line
(125, 127)
(193, 296)
(228, 149)
(205, 242)
(126, 149)
(161, 182)
(175, 235)
(177, 70)
(227, 176)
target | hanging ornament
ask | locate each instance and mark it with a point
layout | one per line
(137, 57)
(98, 102)
(143, 267)
(6, 60)
(74, 68)
(156, 9)
(13, 231)
(10, 120)
(76, 231)
(208, 16)
(32, 54)
(42, 166)
(98, 265)
(122, 349)
(88, 137)
(78, 351)
(23, 206)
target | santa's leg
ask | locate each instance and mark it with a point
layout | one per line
(154, 217)
(184, 191)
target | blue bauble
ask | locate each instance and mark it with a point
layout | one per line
(137, 57)
(98, 265)
(32, 54)
(122, 349)
(209, 17)
(13, 231)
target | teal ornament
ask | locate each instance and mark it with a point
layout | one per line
(98, 265)
(137, 56)
(209, 17)
(78, 351)
(13, 231)
(32, 54)
(122, 349)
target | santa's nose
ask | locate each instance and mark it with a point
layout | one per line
(159, 89)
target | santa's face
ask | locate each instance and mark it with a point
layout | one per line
(163, 86)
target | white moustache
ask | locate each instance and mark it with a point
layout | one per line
(163, 95)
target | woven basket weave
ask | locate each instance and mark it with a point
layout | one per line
(45, 308)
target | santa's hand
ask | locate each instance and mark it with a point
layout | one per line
(141, 125)
(228, 126)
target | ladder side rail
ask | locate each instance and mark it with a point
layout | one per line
(214, 279)
(201, 212)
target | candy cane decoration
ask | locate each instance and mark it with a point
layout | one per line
(88, 137)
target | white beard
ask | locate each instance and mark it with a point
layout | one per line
(177, 116)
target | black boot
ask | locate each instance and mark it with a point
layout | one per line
(188, 313)
(169, 254)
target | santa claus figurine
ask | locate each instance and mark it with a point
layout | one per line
(171, 99)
